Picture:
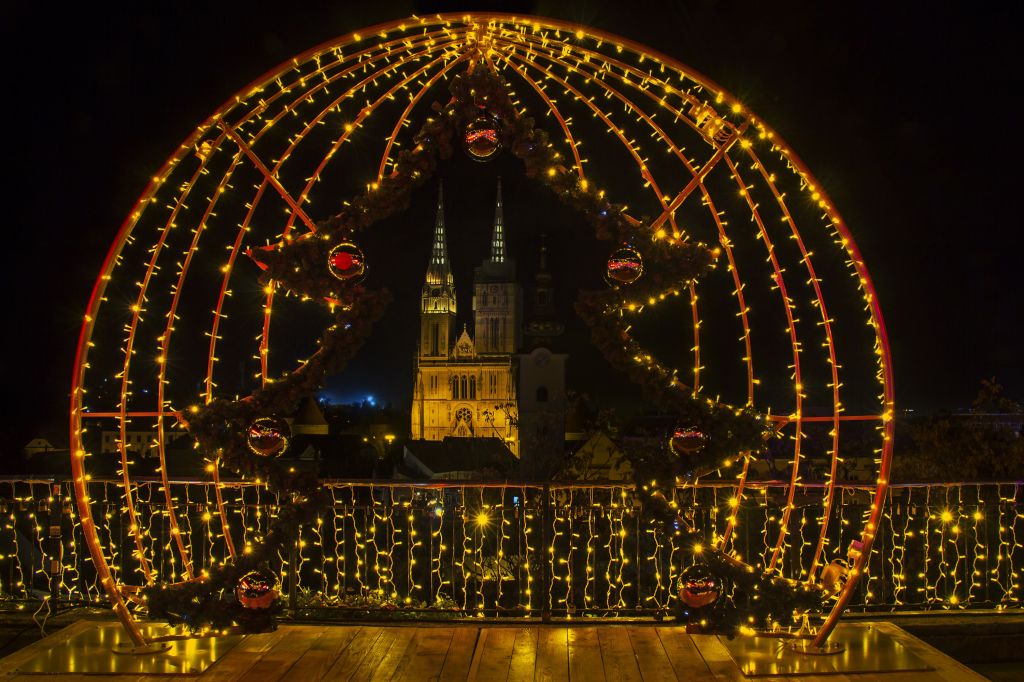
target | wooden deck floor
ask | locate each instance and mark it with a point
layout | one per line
(589, 653)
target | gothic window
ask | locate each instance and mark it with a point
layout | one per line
(472, 388)
(455, 388)
(435, 337)
(542, 394)
(493, 377)
(463, 422)
(462, 388)
(494, 333)
(485, 298)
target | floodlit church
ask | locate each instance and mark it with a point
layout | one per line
(467, 381)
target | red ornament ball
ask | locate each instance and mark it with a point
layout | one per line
(699, 587)
(257, 590)
(687, 441)
(482, 138)
(346, 262)
(625, 265)
(268, 436)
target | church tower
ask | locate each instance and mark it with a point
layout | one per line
(437, 311)
(541, 391)
(430, 411)
(462, 389)
(497, 296)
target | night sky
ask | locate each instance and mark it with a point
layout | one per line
(909, 116)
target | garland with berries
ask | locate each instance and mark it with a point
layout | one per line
(241, 593)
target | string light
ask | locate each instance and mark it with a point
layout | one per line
(245, 154)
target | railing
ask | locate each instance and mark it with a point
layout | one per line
(471, 549)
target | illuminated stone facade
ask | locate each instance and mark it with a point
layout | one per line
(466, 387)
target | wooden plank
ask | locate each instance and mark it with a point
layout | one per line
(314, 664)
(650, 655)
(617, 654)
(524, 655)
(682, 653)
(424, 658)
(717, 658)
(381, 658)
(585, 664)
(62, 677)
(350, 658)
(273, 665)
(461, 654)
(552, 654)
(243, 656)
(493, 654)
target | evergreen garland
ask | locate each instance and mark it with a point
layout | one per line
(299, 265)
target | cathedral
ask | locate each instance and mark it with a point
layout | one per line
(465, 385)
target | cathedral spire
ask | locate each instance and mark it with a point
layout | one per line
(439, 270)
(498, 240)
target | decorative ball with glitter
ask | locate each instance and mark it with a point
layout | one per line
(699, 587)
(687, 441)
(346, 262)
(625, 266)
(257, 589)
(482, 138)
(268, 436)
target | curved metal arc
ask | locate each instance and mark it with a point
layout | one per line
(78, 472)
(579, 165)
(737, 282)
(137, 309)
(726, 246)
(365, 113)
(795, 343)
(833, 366)
(229, 267)
(887, 383)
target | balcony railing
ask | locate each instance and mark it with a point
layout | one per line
(472, 549)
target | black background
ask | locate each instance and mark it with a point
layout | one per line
(909, 114)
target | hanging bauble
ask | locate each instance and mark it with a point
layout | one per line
(257, 589)
(268, 436)
(699, 587)
(482, 138)
(834, 576)
(687, 441)
(346, 262)
(625, 266)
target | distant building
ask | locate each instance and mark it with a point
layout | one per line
(465, 387)
(41, 445)
(542, 395)
(456, 458)
(309, 419)
(1012, 421)
(139, 442)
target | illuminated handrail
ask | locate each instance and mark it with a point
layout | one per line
(947, 545)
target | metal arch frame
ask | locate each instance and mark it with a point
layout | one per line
(533, 33)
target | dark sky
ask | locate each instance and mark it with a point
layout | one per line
(908, 114)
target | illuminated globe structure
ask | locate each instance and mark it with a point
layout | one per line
(787, 324)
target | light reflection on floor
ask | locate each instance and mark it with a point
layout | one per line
(867, 649)
(89, 652)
